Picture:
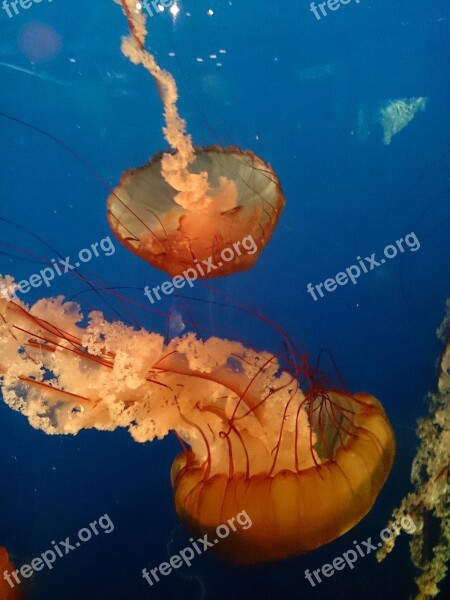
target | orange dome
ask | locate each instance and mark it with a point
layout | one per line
(294, 511)
(244, 201)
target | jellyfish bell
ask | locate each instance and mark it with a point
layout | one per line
(293, 508)
(245, 202)
(191, 206)
(305, 466)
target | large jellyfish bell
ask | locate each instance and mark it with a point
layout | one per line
(191, 205)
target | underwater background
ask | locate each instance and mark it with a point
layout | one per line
(314, 98)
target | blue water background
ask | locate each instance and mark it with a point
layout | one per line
(292, 89)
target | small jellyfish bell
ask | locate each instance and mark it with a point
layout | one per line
(191, 204)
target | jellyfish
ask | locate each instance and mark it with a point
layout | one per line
(306, 462)
(8, 587)
(190, 205)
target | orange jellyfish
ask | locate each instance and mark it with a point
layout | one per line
(191, 205)
(305, 464)
(8, 588)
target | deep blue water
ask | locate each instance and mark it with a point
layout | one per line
(303, 94)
